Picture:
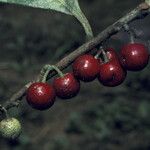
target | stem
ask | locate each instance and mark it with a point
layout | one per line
(5, 112)
(49, 68)
(106, 59)
(130, 32)
(132, 37)
(98, 54)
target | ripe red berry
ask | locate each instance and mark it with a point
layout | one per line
(111, 54)
(86, 68)
(134, 56)
(40, 95)
(66, 87)
(111, 74)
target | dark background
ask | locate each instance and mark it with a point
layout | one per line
(99, 118)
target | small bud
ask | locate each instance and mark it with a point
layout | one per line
(10, 128)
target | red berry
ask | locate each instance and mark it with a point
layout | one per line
(111, 74)
(66, 87)
(40, 95)
(86, 68)
(111, 54)
(134, 56)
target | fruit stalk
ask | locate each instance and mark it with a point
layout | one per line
(46, 70)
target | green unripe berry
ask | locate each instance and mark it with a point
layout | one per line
(10, 128)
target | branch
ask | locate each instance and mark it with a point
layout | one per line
(139, 12)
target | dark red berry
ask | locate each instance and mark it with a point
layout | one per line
(66, 87)
(111, 54)
(111, 74)
(86, 68)
(40, 96)
(134, 56)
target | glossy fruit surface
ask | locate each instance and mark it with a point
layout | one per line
(111, 54)
(111, 74)
(40, 95)
(134, 56)
(86, 68)
(66, 87)
(10, 128)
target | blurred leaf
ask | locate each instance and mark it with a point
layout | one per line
(75, 124)
(70, 7)
(59, 143)
(148, 2)
(144, 109)
(24, 139)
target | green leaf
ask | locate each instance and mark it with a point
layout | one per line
(148, 2)
(70, 7)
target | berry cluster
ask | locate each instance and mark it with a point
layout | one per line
(107, 66)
